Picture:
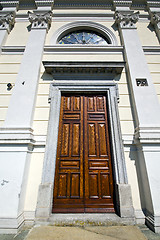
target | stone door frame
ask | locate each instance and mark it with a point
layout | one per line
(123, 197)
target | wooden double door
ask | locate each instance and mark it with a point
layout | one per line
(83, 175)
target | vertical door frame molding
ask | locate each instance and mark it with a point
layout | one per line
(123, 201)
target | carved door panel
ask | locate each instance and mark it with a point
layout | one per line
(97, 159)
(83, 176)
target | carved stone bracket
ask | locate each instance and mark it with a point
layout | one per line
(40, 21)
(7, 21)
(155, 19)
(126, 20)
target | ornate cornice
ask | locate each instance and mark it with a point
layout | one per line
(153, 3)
(40, 21)
(126, 20)
(155, 19)
(122, 3)
(83, 67)
(7, 21)
(4, 3)
(44, 3)
(83, 4)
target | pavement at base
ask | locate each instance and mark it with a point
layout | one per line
(138, 232)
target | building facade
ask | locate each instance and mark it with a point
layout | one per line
(79, 110)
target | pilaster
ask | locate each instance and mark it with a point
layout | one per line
(146, 110)
(21, 107)
(16, 135)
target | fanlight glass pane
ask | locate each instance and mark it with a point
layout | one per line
(84, 37)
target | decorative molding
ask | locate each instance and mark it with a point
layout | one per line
(33, 4)
(16, 136)
(83, 67)
(138, 6)
(39, 20)
(7, 21)
(44, 3)
(5, 4)
(147, 134)
(127, 139)
(126, 19)
(82, 4)
(155, 19)
(65, 49)
(81, 25)
(12, 49)
(152, 221)
(153, 3)
(151, 50)
(120, 3)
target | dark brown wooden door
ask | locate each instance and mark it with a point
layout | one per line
(83, 177)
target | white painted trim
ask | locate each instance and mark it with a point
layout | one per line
(85, 49)
(91, 49)
(127, 139)
(11, 225)
(139, 216)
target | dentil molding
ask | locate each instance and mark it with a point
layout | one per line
(12, 3)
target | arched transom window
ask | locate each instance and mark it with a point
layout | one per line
(84, 37)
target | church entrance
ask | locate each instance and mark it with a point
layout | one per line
(83, 176)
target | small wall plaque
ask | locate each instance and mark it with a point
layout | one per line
(141, 82)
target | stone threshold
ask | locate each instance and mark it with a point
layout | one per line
(86, 219)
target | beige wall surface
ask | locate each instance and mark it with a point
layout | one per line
(9, 67)
(154, 66)
(147, 34)
(34, 180)
(82, 57)
(132, 178)
(41, 115)
(19, 34)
